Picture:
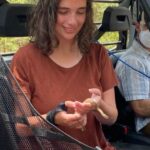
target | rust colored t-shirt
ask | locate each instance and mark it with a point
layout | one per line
(47, 84)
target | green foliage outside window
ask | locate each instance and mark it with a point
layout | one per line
(22, 1)
(99, 8)
(8, 45)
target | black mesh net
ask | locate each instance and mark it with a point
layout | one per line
(16, 115)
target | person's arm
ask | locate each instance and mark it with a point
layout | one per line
(105, 102)
(107, 105)
(134, 85)
(141, 107)
(62, 118)
(24, 130)
(108, 81)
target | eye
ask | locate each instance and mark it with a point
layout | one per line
(81, 11)
(62, 12)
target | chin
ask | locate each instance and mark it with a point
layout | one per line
(69, 37)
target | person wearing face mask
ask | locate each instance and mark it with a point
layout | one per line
(144, 37)
(135, 86)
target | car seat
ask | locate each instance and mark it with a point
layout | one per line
(13, 20)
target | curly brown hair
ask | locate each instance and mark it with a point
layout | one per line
(42, 23)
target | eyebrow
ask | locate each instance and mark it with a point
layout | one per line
(65, 8)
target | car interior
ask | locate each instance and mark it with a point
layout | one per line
(122, 134)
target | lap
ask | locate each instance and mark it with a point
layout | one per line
(146, 129)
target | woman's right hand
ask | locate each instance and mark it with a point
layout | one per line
(72, 120)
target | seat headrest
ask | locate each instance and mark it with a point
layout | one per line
(116, 19)
(3, 2)
(13, 19)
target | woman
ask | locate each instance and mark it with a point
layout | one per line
(62, 64)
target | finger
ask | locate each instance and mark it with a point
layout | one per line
(75, 124)
(79, 123)
(83, 108)
(72, 117)
(67, 118)
(70, 104)
(95, 91)
(83, 121)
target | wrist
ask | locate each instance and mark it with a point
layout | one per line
(51, 114)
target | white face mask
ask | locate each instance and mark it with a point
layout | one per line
(144, 37)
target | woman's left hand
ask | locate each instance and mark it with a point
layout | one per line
(79, 107)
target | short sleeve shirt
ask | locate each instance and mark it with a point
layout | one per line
(47, 84)
(134, 77)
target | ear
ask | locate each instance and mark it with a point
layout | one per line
(137, 26)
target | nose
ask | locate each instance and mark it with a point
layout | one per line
(72, 19)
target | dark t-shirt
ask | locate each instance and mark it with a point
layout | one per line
(47, 84)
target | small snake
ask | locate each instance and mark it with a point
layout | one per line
(93, 102)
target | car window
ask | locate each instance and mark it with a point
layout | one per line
(22, 1)
(109, 39)
(12, 44)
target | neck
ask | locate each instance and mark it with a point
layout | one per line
(66, 55)
(67, 47)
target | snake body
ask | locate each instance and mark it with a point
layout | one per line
(93, 102)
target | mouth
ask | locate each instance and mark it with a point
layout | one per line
(69, 30)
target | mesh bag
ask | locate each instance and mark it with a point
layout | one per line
(16, 114)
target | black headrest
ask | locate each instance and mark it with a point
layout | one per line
(2, 2)
(116, 19)
(13, 18)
